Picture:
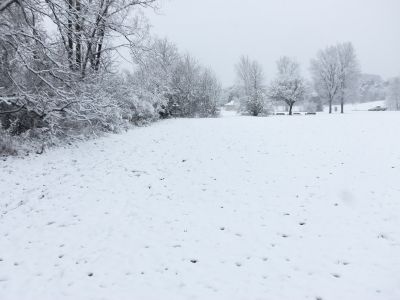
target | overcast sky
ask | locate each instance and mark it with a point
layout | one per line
(217, 32)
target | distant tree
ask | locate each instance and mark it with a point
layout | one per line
(349, 71)
(393, 99)
(325, 71)
(289, 87)
(371, 88)
(250, 79)
(335, 72)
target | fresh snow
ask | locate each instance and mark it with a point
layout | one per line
(302, 207)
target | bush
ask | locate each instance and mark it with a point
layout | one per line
(6, 145)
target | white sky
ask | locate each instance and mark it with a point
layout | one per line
(217, 32)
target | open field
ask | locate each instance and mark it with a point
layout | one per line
(302, 207)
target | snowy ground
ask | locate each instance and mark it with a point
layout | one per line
(302, 207)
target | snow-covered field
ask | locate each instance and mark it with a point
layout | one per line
(303, 207)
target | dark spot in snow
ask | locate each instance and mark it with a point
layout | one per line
(1, 259)
(222, 228)
(318, 298)
(61, 256)
(286, 214)
(238, 264)
(336, 275)
(90, 274)
(183, 160)
(222, 207)
(382, 236)
(16, 264)
(285, 235)
(193, 261)
(265, 258)
(336, 204)
(302, 223)
(50, 223)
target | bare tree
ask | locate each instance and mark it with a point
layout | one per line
(289, 86)
(250, 79)
(325, 72)
(335, 72)
(349, 71)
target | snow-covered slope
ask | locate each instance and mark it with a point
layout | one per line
(284, 207)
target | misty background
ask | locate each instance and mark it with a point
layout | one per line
(218, 32)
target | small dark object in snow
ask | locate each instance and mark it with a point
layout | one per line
(222, 228)
(238, 264)
(336, 204)
(183, 160)
(318, 298)
(302, 223)
(1, 259)
(193, 261)
(310, 113)
(61, 256)
(285, 235)
(90, 274)
(382, 236)
(336, 275)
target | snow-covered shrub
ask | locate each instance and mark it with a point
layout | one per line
(393, 97)
(178, 84)
(6, 145)
(251, 87)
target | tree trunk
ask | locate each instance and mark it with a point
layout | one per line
(78, 28)
(342, 106)
(70, 49)
(290, 108)
(330, 106)
(98, 51)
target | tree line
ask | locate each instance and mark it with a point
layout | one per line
(335, 73)
(65, 82)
